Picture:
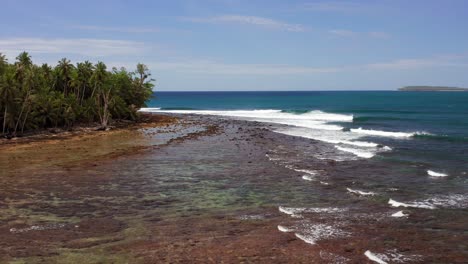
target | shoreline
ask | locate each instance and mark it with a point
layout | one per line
(146, 120)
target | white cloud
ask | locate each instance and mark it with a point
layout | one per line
(117, 29)
(87, 47)
(249, 20)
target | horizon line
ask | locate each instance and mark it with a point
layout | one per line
(380, 90)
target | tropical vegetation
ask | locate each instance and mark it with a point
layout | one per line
(34, 97)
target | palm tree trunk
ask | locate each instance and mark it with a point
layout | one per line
(25, 118)
(4, 119)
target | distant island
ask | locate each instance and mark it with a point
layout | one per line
(432, 89)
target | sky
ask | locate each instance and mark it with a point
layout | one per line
(224, 45)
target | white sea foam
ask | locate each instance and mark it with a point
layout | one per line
(424, 205)
(436, 174)
(308, 178)
(374, 257)
(358, 152)
(284, 229)
(149, 109)
(358, 192)
(314, 124)
(311, 233)
(310, 172)
(380, 133)
(312, 119)
(391, 256)
(399, 214)
(449, 200)
(294, 211)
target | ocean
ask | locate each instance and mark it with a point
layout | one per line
(419, 127)
(398, 155)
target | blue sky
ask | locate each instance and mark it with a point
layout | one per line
(249, 44)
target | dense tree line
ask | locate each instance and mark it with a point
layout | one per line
(36, 97)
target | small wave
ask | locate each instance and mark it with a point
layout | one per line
(446, 201)
(392, 256)
(424, 205)
(284, 229)
(436, 174)
(310, 172)
(374, 257)
(311, 233)
(308, 178)
(296, 211)
(449, 201)
(358, 143)
(149, 109)
(399, 214)
(380, 133)
(358, 192)
(358, 152)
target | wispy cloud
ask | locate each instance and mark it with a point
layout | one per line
(117, 29)
(213, 67)
(421, 63)
(249, 20)
(334, 6)
(86, 47)
(210, 67)
(350, 33)
(343, 33)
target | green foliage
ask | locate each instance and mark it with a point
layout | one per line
(37, 97)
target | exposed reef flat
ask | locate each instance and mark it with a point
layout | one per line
(205, 189)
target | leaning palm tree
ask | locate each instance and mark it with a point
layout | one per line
(102, 92)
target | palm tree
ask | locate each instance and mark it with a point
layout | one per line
(23, 64)
(7, 97)
(81, 82)
(3, 63)
(65, 71)
(102, 91)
